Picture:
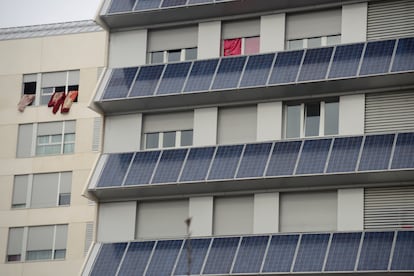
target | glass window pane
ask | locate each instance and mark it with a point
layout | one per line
(157, 57)
(314, 42)
(14, 245)
(69, 148)
(38, 255)
(64, 199)
(174, 55)
(191, 54)
(60, 254)
(251, 45)
(186, 138)
(331, 118)
(43, 139)
(69, 137)
(333, 40)
(151, 140)
(169, 139)
(292, 121)
(56, 138)
(312, 119)
(295, 44)
(46, 93)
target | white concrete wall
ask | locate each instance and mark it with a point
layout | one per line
(201, 213)
(272, 32)
(269, 121)
(266, 213)
(354, 23)
(209, 39)
(122, 133)
(205, 126)
(116, 221)
(128, 48)
(351, 114)
(350, 209)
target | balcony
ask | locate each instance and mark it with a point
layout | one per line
(328, 71)
(334, 162)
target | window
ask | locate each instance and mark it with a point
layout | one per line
(313, 42)
(168, 139)
(50, 138)
(241, 46)
(44, 85)
(311, 119)
(172, 55)
(42, 190)
(36, 243)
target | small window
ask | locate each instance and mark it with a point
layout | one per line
(313, 42)
(151, 140)
(241, 46)
(174, 55)
(29, 88)
(311, 119)
(157, 57)
(186, 138)
(168, 139)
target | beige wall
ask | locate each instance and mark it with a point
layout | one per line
(85, 52)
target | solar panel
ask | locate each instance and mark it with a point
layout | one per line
(121, 6)
(147, 4)
(377, 57)
(164, 257)
(190, 2)
(114, 170)
(343, 252)
(173, 78)
(197, 249)
(250, 255)
(286, 67)
(142, 167)
(108, 259)
(136, 258)
(283, 159)
(254, 160)
(404, 151)
(404, 56)
(172, 3)
(313, 156)
(197, 164)
(346, 61)
(280, 254)
(344, 155)
(311, 253)
(376, 152)
(201, 75)
(375, 251)
(146, 81)
(119, 83)
(228, 73)
(221, 255)
(169, 166)
(225, 162)
(257, 70)
(315, 65)
(403, 258)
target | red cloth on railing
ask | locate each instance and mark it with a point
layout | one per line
(232, 47)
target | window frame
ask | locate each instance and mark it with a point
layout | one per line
(62, 142)
(305, 42)
(165, 55)
(178, 135)
(243, 45)
(302, 120)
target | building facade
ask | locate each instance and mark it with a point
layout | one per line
(49, 145)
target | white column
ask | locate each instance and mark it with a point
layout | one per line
(122, 133)
(350, 209)
(272, 32)
(116, 221)
(351, 114)
(354, 23)
(266, 213)
(205, 126)
(269, 121)
(209, 40)
(128, 48)
(201, 213)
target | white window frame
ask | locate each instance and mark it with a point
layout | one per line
(165, 55)
(23, 252)
(62, 143)
(39, 89)
(303, 118)
(305, 42)
(178, 134)
(29, 191)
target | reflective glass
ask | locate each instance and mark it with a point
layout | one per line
(293, 115)
(312, 119)
(169, 139)
(152, 140)
(157, 57)
(186, 138)
(331, 118)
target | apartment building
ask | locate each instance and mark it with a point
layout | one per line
(256, 137)
(50, 141)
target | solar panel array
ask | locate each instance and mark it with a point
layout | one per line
(342, 61)
(121, 6)
(339, 252)
(260, 160)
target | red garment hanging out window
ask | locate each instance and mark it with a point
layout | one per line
(232, 47)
